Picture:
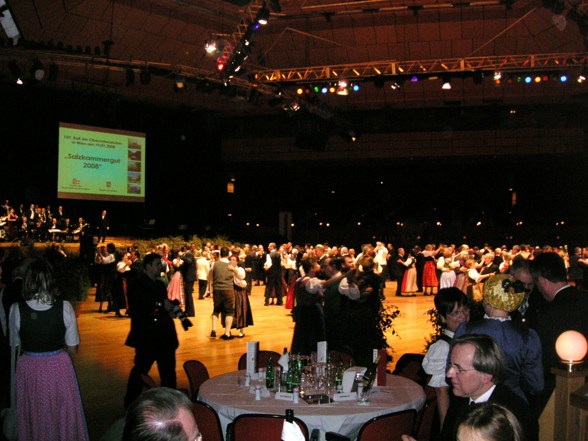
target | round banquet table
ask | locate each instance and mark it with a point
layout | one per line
(228, 395)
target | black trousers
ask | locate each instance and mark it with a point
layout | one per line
(144, 359)
(188, 290)
(202, 284)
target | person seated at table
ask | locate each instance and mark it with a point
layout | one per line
(490, 422)
(160, 413)
(308, 312)
(452, 310)
(477, 373)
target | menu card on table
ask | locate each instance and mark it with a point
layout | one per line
(252, 349)
(321, 352)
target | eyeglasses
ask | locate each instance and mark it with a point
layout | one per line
(459, 369)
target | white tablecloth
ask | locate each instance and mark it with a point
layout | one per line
(228, 395)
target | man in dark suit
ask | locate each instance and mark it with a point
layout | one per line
(104, 226)
(564, 310)
(153, 333)
(189, 275)
(488, 265)
(476, 373)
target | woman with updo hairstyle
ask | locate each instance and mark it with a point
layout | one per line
(489, 422)
(44, 328)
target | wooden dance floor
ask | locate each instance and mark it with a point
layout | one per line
(103, 362)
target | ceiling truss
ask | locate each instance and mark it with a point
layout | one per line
(362, 71)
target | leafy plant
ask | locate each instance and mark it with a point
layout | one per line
(386, 315)
(438, 328)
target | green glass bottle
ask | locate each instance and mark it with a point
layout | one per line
(269, 376)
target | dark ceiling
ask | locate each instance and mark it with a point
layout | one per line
(93, 43)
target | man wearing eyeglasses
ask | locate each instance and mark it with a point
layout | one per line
(161, 414)
(476, 372)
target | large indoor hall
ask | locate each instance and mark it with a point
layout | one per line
(454, 130)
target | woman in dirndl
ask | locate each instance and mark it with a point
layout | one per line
(48, 402)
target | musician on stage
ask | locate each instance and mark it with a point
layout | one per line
(80, 229)
(24, 230)
(12, 225)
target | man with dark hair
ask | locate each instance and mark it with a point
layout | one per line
(452, 310)
(565, 310)
(223, 294)
(103, 226)
(161, 414)
(153, 333)
(534, 301)
(476, 371)
(189, 275)
(338, 291)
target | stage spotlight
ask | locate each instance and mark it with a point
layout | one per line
(583, 75)
(262, 16)
(221, 63)
(38, 70)
(414, 79)
(180, 82)
(210, 46)
(355, 87)
(325, 90)
(528, 80)
(446, 83)
(563, 78)
(395, 85)
(145, 75)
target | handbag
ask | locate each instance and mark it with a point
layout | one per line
(9, 425)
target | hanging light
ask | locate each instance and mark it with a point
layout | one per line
(210, 46)
(262, 16)
(38, 70)
(446, 83)
(180, 82)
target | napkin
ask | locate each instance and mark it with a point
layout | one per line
(291, 432)
(283, 361)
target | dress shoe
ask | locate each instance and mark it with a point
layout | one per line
(227, 337)
(241, 335)
(212, 334)
(265, 303)
(118, 314)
